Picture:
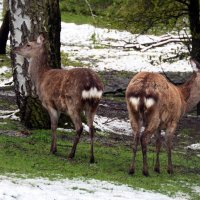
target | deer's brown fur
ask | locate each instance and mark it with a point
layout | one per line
(59, 90)
(155, 103)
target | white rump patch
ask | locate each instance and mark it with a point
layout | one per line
(149, 102)
(92, 93)
(135, 102)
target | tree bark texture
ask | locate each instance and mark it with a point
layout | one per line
(4, 30)
(195, 32)
(28, 18)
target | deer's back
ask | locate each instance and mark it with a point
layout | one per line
(166, 97)
(62, 88)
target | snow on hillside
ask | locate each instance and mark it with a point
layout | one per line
(102, 49)
(76, 189)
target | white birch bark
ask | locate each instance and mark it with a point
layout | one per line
(28, 18)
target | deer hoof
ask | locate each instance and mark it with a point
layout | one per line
(71, 156)
(91, 160)
(170, 171)
(145, 173)
(131, 171)
(157, 170)
(53, 150)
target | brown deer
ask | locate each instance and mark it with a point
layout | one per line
(62, 91)
(155, 103)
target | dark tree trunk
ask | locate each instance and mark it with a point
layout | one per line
(27, 20)
(195, 31)
(4, 30)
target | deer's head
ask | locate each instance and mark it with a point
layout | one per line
(31, 49)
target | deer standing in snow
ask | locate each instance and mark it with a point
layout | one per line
(59, 90)
(155, 103)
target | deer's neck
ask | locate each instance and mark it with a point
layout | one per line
(38, 65)
(191, 91)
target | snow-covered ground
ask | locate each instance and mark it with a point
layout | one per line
(9, 114)
(194, 146)
(102, 49)
(114, 125)
(3, 80)
(76, 189)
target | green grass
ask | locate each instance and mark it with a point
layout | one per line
(7, 124)
(5, 60)
(100, 21)
(66, 61)
(77, 19)
(30, 156)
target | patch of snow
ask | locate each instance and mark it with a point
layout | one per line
(4, 82)
(107, 125)
(77, 189)
(9, 114)
(196, 189)
(4, 69)
(112, 125)
(194, 146)
(64, 130)
(180, 196)
(80, 42)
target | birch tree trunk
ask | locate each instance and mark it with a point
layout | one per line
(27, 19)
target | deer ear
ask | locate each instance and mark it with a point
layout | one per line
(40, 39)
(195, 65)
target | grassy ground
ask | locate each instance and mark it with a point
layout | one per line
(78, 12)
(66, 61)
(5, 60)
(30, 155)
(99, 21)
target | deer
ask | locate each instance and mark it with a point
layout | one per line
(63, 91)
(157, 104)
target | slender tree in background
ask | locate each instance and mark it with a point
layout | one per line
(27, 20)
(4, 30)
